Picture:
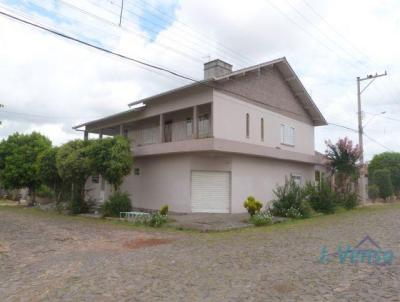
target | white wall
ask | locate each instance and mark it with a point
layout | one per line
(229, 120)
(162, 180)
(258, 177)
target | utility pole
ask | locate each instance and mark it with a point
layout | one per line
(371, 78)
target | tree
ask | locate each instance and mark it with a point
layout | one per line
(389, 161)
(48, 172)
(18, 161)
(74, 166)
(112, 159)
(342, 160)
(383, 180)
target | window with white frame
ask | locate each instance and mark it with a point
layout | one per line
(287, 135)
(296, 178)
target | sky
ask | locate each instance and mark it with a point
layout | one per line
(49, 84)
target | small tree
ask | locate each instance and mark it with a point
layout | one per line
(111, 158)
(389, 161)
(383, 180)
(48, 172)
(19, 155)
(342, 158)
(74, 166)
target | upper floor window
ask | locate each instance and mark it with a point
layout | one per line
(287, 135)
(247, 125)
(262, 129)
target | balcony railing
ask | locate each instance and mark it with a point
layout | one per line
(173, 132)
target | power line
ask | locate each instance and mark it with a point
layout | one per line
(143, 63)
(377, 142)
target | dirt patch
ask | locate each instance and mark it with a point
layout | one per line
(144, 242)
(3, 248)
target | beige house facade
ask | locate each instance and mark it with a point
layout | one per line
(207, 146)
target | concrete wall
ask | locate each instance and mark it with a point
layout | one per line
(229, 122)
(258, 177)
(162, 180)
(166, 179)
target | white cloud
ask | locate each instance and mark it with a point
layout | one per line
(67, 83)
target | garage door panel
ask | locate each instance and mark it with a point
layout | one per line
(210, 191)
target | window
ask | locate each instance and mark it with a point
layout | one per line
(189, 127)
(287, 135)
(95, 179)
(247, 125)
(262, 129)
(296, 179)
(136, 171)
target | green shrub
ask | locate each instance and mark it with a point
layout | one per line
(252, 205)
(45, 192)
(261, 218)
(373, 191)
(156, 220)
(116, 203)
(383, 180)
(349, 200)
(77, 206)
(290, 201)
(321, 198)
(164, 210)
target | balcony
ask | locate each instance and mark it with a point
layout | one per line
(181, 125)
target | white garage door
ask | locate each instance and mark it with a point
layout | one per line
(211, 191)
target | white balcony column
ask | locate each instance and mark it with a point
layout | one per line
(195, 122)
(101, 134)
(161, 134)
(121, 130)
(85, 135)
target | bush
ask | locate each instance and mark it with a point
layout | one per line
(156, 220)
(262, 218)
(349, 200)
(290, 201)
(373, 191)
(116, 203)
(252, 205)
(77, 206)
(321, 197)
(45, 192)
(383, 180)
(164, 210)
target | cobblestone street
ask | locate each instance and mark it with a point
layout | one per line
(49, 257)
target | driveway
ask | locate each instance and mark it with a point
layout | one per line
(47, 257)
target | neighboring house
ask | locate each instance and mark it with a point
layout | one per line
(207, 146)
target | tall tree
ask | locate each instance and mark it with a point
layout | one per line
(19, 155)
(389, 161)
(112, 159)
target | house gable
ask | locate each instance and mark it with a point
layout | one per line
(267, 88)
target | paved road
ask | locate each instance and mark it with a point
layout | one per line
(57, 258)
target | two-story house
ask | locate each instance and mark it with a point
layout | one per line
(207, 146)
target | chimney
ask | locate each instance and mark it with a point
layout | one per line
(216, 68)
